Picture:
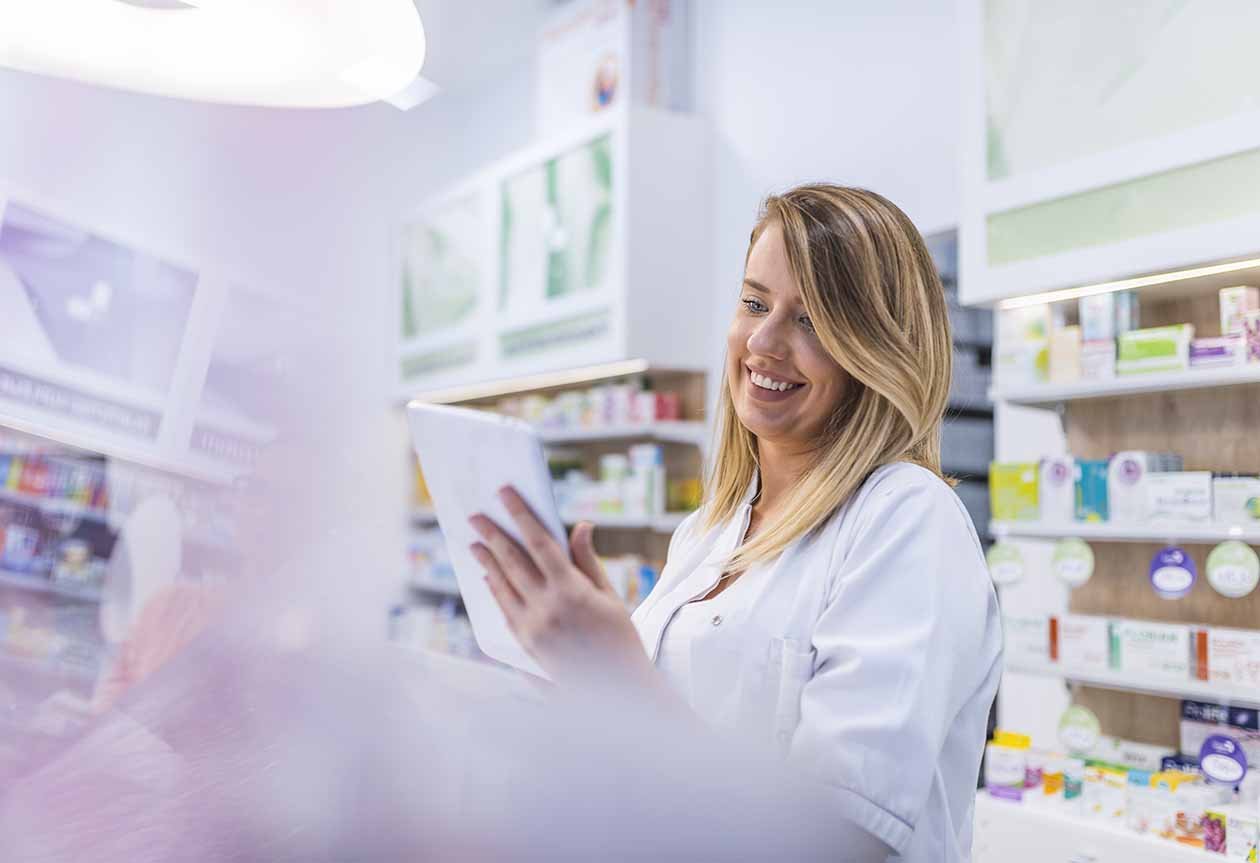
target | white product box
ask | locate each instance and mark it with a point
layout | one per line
(1126, 482)
(1027, 638)
(599, 54)
(1184, 497)
(1065, 355)
(1153, 650)
(1056, 489)
(1234, 658)
(1236, 500)
(1218, 352)
(1129, 753)
(1023, 345)
(1085, 643)
(1098, 316)
(1236, 302)
(1098, 360)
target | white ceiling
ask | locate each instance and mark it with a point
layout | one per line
(470, 41)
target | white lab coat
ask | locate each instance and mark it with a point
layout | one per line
(869, 653)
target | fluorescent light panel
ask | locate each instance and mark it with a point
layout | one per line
(1171, 277)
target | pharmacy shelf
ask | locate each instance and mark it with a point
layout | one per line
(60, 506)
(681, 431)
(1046, 395)
(1197, 690)
(1037, 833)
(39, 584)
(666, 523)
(1104, 532)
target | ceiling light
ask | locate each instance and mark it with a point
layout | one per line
(286, 53)
(1168, 278)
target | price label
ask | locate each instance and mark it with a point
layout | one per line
(1073, 562)
(1233, 569)
(1006, 563)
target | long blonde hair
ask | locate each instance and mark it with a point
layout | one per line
(872, 292)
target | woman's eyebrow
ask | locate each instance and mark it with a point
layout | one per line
(756, 285)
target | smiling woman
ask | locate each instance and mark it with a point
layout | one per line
(830, 597)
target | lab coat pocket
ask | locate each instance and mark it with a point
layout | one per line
(793, 662)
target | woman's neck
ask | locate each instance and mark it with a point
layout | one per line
(780, 467)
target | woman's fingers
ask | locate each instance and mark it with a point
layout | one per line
(583, 547)
(547, 554)
(507, 599)
(514, 564)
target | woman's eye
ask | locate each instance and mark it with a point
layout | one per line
(807, 323)
(754, 305)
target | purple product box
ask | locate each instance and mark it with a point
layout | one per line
(1218, 351)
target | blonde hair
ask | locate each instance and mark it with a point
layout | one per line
(872, 292)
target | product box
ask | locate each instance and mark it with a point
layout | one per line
(1065, 355)
(1106, 793)
(1128, 308)
(1233, 657)
(1098, 360)
(1202, 719)
(1091, 491)
(1098, 316)
(1026, 639)
(1179, 496)
(1159, 349)
(593, 55)
(1057, 489)
(1023, 345)
(1013, 491)
(1218, 352)
(1153, 651)
(1236, 500)
(1242, 833)
(1082, 643)
(1251, 334)
(1126, 482)
(1133, 756)
(1236, 302)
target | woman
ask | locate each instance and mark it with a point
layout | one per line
(831, 594)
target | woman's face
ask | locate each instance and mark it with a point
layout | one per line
(783, 384)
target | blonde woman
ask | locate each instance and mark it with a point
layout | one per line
(830, 596)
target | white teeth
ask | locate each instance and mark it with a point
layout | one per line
(768, 384)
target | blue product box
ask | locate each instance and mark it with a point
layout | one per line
(1091, 490)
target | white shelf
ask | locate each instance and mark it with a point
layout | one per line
(1128, 385)
(1198, 690)
(39, 584)
(1105, 532)
(666, 523)
(682, 431)
(1036, 833)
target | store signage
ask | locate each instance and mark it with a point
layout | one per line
(89, 410)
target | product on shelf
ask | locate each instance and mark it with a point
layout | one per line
(1091, 490)
(1065, 355)
(617, 404)
(1026, 638)
(1127, 475)
(1236, 499)
(1098, 360)
(1233, 658)
(1218, 352)
(1024, 344)
(1235, 303)
(1183, 497)
(1159, 349)
(1014, 491)
(1251, 333)
(1057, 489)
(1152, 651)
(629, 484)
(1005, 764)
(1082, 643)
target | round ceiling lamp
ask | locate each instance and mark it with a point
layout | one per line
(282, 53)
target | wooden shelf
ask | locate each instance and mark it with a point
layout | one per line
(1104, 532)
(1198, 690)
(1046, 395)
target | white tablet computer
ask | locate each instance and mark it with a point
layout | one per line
(467, 456)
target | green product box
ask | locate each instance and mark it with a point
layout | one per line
(1091, 490)
(1158, 349)
(1013, 491)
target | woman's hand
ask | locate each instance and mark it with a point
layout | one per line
(563, 611)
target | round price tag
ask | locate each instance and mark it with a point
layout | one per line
(1073, 562)
(1079, 730)
(1172, 573)
(1233, 569)
(1222, 760)
(1006, 563)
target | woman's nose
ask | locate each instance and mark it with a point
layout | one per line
(769, 339)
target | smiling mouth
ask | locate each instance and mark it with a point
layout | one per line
(771, 384)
